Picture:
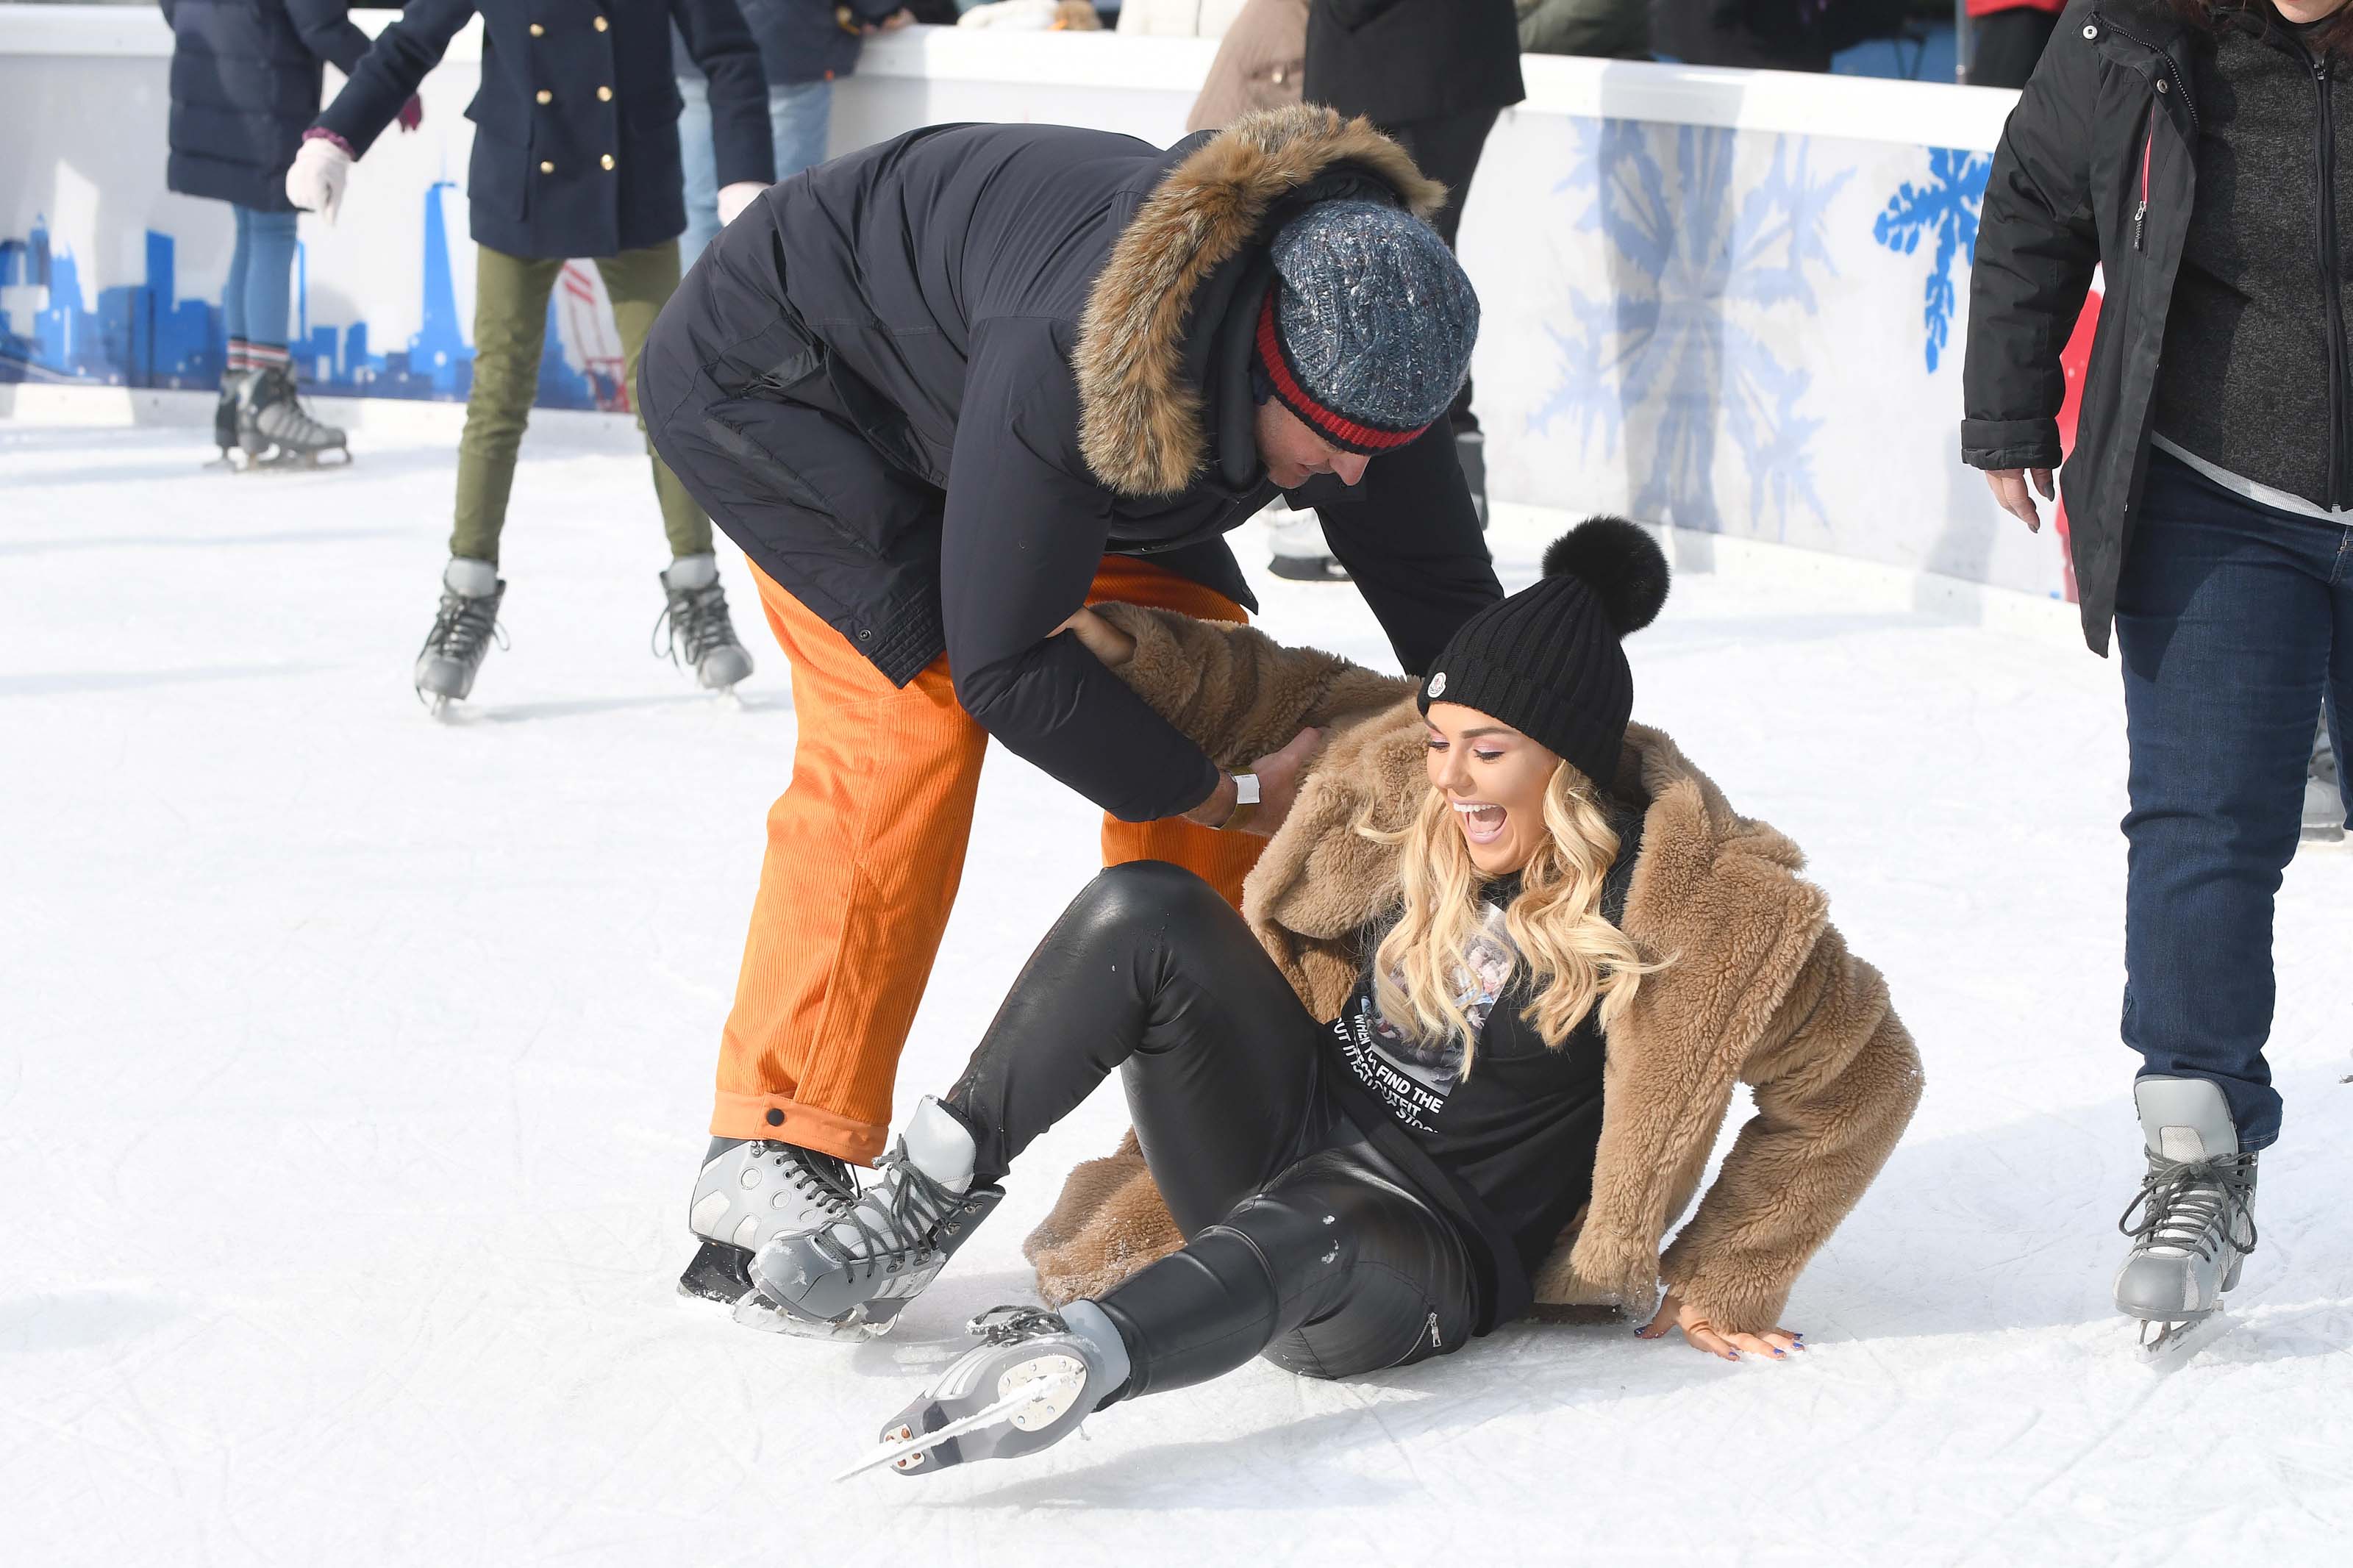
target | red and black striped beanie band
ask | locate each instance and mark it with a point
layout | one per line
(1333, 424)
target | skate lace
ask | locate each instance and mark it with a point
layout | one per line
(280, 415)
(898, 1214)
(2195, 1206)
(1013, 1324)
(820, 1178)
(463, 624)
(694, 623)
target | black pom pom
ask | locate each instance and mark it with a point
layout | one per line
(1621, 562)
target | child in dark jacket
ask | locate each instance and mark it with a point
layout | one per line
(245, 83)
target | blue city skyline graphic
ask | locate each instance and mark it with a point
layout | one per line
(145, 335)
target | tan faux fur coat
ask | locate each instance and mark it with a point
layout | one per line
(1760, 989)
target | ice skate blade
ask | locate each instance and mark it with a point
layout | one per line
(861, 1323)
(436, 706)
(2169, 1344)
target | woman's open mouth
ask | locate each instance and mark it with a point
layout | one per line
(1481, 823)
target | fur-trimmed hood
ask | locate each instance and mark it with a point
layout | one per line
(1759, 987)
(1141, 418)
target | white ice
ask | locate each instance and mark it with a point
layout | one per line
(354, 1071)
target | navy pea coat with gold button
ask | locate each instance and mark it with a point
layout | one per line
(576, 127)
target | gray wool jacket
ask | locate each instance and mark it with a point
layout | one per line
(2256, 337)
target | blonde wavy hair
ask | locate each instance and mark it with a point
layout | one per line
(1574, 958)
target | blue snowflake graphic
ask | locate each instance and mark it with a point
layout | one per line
(1947, 207)
(1672, 356)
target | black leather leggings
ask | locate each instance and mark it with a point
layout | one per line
(1302, 1243)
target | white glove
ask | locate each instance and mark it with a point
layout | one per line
(735, 199)
(315, 181)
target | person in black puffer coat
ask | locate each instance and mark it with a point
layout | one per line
(2193, 152)
(1433, 75)
(245, 77)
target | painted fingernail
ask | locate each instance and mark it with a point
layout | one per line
(1777, 1356)
(1732, 1355)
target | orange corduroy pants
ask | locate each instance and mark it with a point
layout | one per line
(866, 849)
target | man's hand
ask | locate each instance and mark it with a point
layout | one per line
(1278, 787)
(2008, 487)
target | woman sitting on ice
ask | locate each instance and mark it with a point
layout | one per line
(1547, 948)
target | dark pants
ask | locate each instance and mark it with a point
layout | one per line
(2234, 621)
(2006, 46)
(1302, 1243)
(1448, 150)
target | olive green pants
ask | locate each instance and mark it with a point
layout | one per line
(510, 295)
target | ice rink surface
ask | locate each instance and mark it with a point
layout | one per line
(354, 1071)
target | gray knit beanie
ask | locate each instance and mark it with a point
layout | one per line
(1367, 336)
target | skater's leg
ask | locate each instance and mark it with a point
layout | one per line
(1336, 1269)
(1149, 971)
(2224, 622)
(1220, 860)
(2338, 715)
(240, 262)
(639, 283)
(510, 330)
(865, 853)
(268, 287)
(698, 162)
(800, 121)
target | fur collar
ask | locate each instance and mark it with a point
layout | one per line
(1140, 421)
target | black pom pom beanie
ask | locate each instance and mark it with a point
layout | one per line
(1549, 660)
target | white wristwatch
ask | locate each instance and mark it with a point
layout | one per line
(1245, 789)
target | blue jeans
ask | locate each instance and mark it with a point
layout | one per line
(2235, 622)
(799, 116)
(257, 303)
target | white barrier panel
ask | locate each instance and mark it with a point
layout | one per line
(1728, 300)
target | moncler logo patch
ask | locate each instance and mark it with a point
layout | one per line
(1438, 684)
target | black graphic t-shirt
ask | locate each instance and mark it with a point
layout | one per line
(1520, 1131)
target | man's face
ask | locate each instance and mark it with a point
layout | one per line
(1293, 454)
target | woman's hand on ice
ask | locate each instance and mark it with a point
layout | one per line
(2008, 487)
(1773, 1344)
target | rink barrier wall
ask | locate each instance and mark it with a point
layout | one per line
(1730, 301)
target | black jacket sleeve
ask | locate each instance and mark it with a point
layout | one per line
(391, 71)
(329, 33)
(2037, 245)
(1022, 538)
(723, 46)
(1407, 534)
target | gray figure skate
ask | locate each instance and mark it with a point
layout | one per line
(463, 629)
(2195, 1211)
(747, 1194)
(856, 1272)
(2324, 793)
(700, 634)
(273, 431)
(1036, 1375)
(232, 382)
(1300, 554)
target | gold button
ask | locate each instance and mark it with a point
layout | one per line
(537, 31)
(603, 95)
(607, 160)
(546, 168)
(601, 24)
(546, 96)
